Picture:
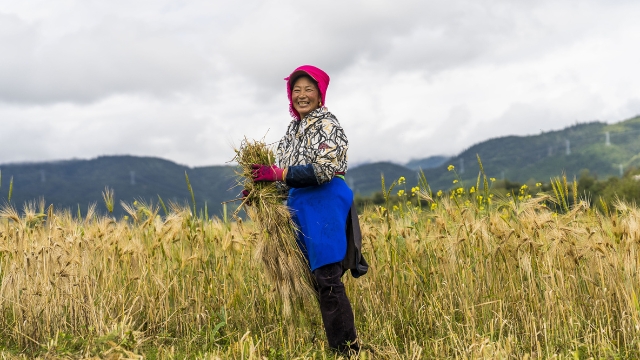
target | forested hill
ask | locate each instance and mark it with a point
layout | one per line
(604, 149)
(73, 183)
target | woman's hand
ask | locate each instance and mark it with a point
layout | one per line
(267, 173)
(245, 195)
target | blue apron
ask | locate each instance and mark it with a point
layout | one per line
(320, 213)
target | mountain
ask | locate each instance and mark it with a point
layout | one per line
(605, 149)
(427, 163)
(365, 179)
(73, 183)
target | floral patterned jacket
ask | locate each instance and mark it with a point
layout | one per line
(313, 149)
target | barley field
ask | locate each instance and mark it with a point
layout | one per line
(462, 274)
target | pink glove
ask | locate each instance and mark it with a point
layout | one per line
(267, 173)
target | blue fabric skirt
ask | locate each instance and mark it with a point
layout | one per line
(320, 212)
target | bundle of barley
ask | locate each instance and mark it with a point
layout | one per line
(284, 263)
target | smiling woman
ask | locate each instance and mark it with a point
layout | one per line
(312, 158)
(305, 96)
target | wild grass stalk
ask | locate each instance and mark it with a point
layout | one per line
(108, 197)
(10, 194)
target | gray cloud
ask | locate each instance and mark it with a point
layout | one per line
(185, 80)
(113, 57)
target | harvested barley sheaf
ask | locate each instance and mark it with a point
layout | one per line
(284, 263)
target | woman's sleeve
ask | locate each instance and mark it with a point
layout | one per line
(329, 146)
(283, 144)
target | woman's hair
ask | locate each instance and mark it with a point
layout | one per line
(294, 80)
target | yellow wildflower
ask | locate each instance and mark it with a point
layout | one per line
(460, 190)
(492, 179)
(439, 193)
(538, 184)
(434, 206)
(455, 181)
(401, 180)
(472, 190)
(400, 192)
(450, 167)
(395, 208)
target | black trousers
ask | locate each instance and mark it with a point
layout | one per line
(335, 308)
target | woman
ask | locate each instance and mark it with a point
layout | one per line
(312, 159)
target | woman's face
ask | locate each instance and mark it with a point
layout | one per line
(305, 96)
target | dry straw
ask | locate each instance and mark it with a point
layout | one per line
(284, 264)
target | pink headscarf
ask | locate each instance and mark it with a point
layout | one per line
(316, 74)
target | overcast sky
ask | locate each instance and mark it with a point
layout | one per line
(186, 80)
